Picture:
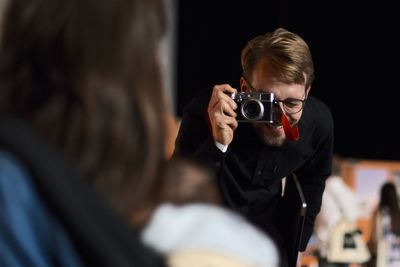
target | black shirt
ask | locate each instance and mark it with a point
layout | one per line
(250, 173)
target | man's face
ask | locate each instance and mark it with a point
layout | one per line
(264, 80)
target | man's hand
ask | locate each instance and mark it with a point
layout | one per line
(221, 111)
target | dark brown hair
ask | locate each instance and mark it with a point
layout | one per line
(389, 200)
(85, 74)
(188, 181)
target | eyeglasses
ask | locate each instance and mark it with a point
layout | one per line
(290, 105)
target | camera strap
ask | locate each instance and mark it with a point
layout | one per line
(292, 133)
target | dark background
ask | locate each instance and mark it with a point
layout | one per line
(355, 48)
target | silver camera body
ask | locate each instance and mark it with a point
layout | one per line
(256, 107)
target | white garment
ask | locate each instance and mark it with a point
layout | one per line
(388, 247)
(338, 199)
(208, 228)
(221, 147)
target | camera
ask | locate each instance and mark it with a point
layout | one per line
(254, 106)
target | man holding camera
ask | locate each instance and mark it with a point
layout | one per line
(270, 129)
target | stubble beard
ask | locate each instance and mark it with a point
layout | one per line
(270, 139)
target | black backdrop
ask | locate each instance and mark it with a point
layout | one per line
(355, 49)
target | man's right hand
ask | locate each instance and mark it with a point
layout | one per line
(221, 111)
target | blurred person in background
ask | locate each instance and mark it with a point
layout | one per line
(384, 242)
(84, 77)
(191, 229)
(338, 200)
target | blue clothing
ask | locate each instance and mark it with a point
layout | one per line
(45, 203)
(29, 234)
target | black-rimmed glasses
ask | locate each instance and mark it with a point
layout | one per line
(291, 106)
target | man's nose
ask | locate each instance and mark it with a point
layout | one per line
(277, 116)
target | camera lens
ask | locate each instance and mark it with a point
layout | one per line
(252, 109)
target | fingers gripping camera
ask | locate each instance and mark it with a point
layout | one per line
(254, 106)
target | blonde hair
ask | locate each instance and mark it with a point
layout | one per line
(287, 53)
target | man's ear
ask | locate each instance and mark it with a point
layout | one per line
(307, 91)
(305, 82)
(243, 85)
